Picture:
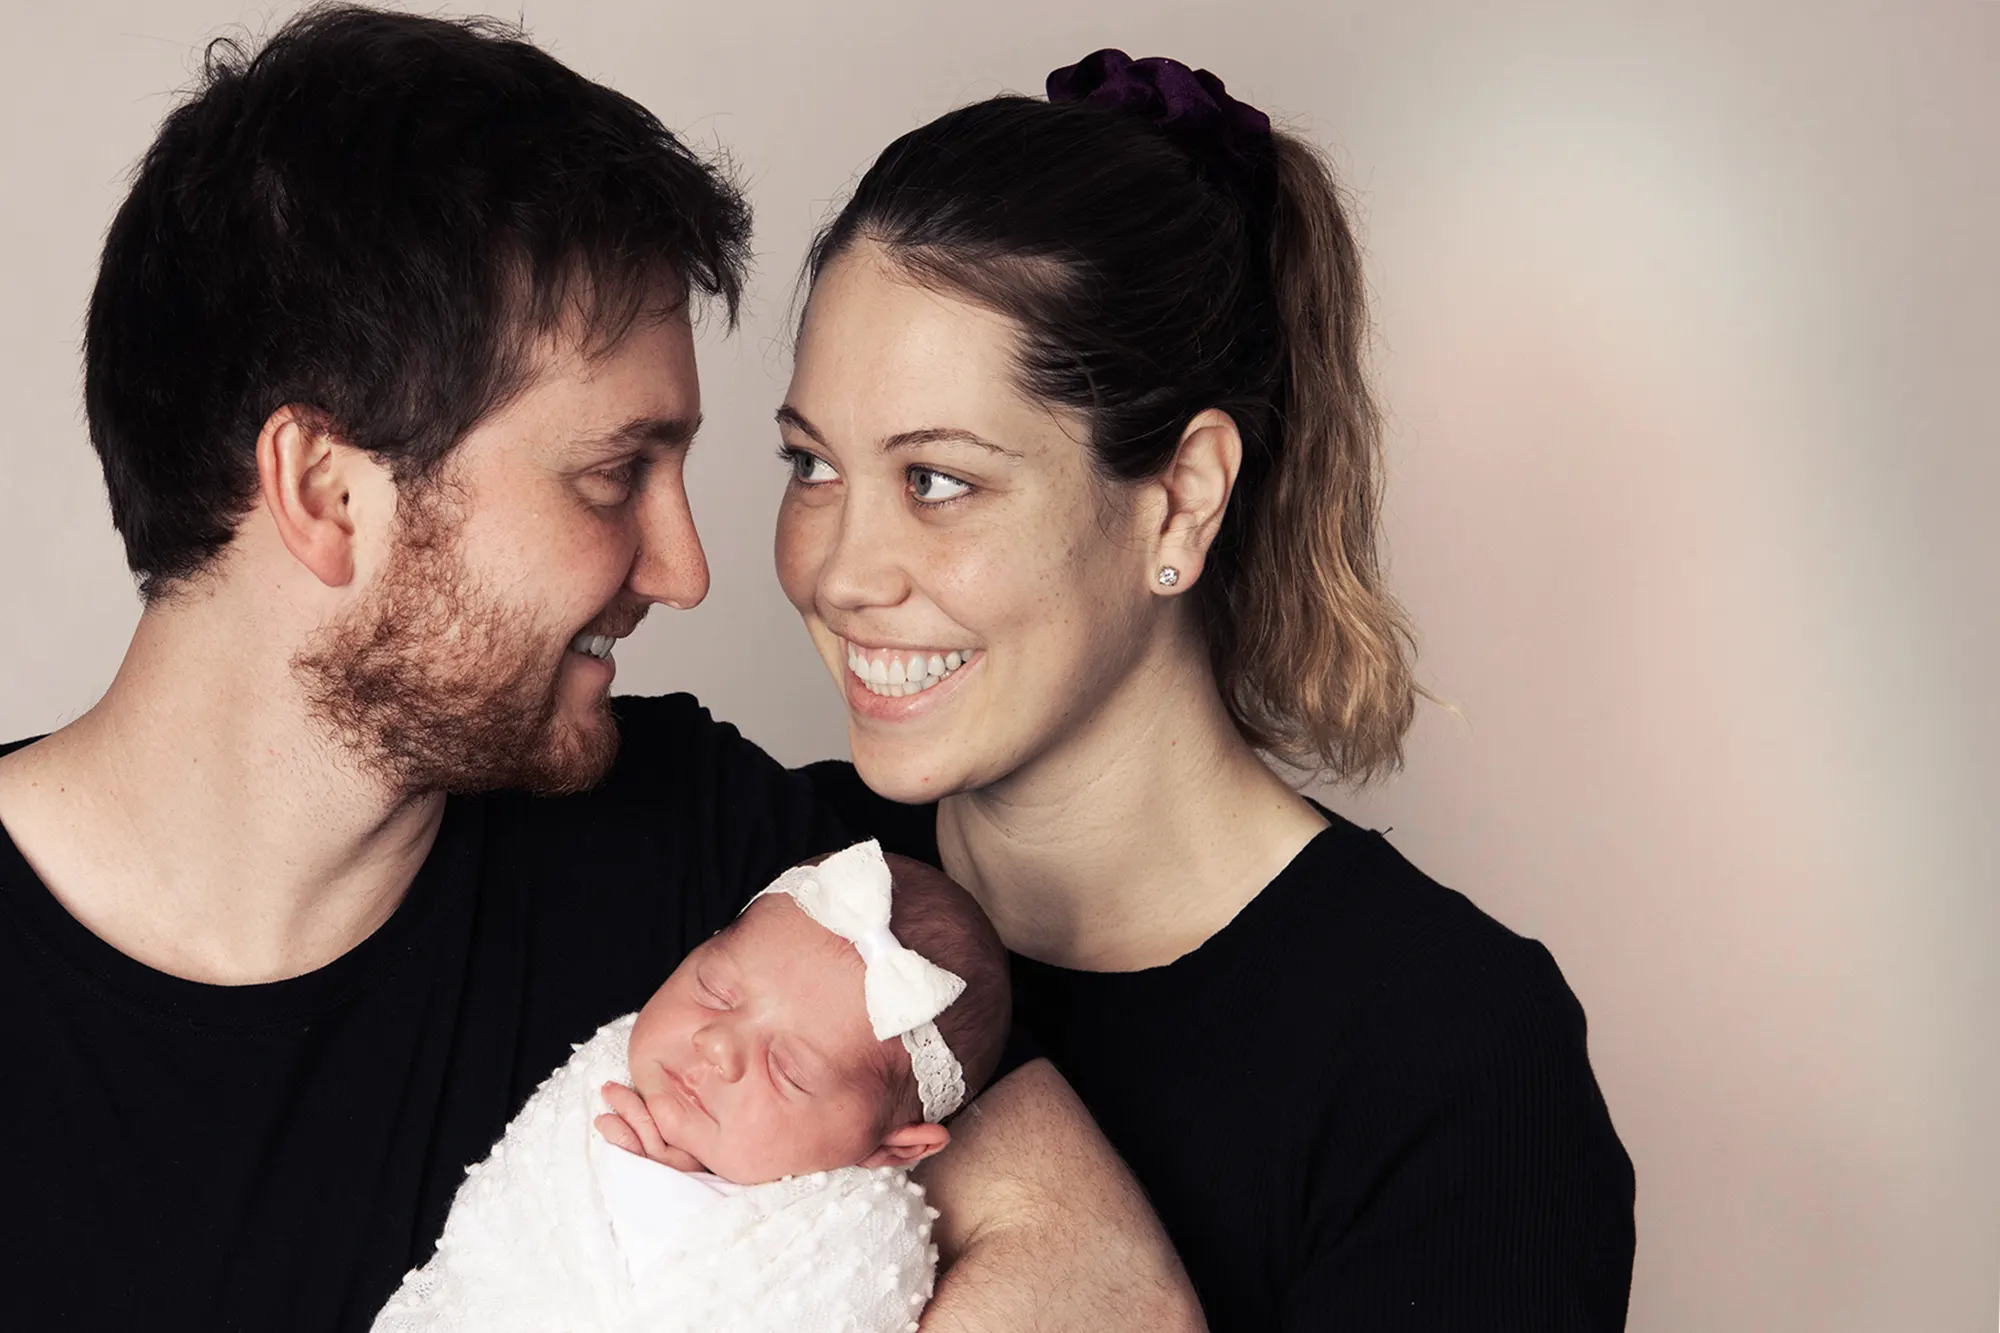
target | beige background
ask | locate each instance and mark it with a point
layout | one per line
(1689, 325)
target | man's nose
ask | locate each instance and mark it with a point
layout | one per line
(721, 1051)
(670, 566)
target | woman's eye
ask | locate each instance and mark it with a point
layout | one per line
(808, 469)
(931, 487)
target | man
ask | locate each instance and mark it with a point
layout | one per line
(390, 368)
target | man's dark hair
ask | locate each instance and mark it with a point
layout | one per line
(372, 218)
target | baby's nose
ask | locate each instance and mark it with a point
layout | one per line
(720, 1051)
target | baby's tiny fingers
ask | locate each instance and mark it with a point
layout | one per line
(626, 1102)
(619, 1134)
(632, 1108)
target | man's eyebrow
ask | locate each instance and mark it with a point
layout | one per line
(665, 432)
(909, 439)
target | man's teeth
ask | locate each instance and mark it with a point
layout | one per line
(594, 645)
(898, 672)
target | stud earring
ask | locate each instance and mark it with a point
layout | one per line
(1169, 576)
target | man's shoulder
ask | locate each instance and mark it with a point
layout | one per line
(681, 779)
(673, 742)
(650, 720)
(690, 821)
(907, 830)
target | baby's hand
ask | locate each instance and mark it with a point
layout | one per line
(629, 1125)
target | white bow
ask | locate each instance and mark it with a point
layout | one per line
(850, 893)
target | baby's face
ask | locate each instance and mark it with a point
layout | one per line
(756, 1056)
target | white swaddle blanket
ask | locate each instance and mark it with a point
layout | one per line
(559, 1232)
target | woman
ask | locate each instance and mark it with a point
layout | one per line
(1082, 518)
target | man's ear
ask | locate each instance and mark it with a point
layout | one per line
(908, 1146)
(303, 474)
(1196, 487)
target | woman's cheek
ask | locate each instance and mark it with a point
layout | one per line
(799, 553)
(977, 574)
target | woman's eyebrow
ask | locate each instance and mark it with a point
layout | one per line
(791, 416)
(944, 435)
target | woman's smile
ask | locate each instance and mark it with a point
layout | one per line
(897, 684)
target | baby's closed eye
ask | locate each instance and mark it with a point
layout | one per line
(784, 1076)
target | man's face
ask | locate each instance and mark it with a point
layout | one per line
(480, 658)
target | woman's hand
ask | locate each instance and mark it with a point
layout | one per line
(629, 1125)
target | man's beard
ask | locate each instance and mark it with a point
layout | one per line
(434, 686)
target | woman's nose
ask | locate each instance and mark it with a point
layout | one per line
(720, 1050)
(864, 568)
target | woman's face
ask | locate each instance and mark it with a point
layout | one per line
(975, 590)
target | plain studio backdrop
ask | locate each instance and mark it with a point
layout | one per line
(1689, 320)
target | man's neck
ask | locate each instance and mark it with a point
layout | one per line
(197, 820)
(1137, 838)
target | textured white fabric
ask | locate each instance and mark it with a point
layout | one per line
(557, 1232)
(850, 893)
(650, 1205)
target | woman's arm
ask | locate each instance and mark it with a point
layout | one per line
(1041, 1225)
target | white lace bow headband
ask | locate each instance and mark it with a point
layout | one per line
(849, 893)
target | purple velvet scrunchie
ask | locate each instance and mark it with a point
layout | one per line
(1189, 106)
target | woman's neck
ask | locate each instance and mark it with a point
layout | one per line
(1137, 837)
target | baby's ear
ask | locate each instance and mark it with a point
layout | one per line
(908, 1146)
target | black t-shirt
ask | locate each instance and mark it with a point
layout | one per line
(184, 1156)
(1362, 1105)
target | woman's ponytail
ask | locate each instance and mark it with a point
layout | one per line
(1319, 663)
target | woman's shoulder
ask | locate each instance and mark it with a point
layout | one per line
(1369, 928)
(1403, 1001)
(1455, 1114)
(1448, 1034)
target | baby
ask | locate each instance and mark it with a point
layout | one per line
(733, 1156)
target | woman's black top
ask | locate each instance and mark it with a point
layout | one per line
(1363, 1104)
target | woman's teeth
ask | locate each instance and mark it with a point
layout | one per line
(593, 645)
(899, 671)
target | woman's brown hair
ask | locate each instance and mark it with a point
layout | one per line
(1152, 281)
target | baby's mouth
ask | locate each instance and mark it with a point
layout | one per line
(685, 1090)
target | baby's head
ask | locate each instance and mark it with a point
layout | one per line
(758, 1057)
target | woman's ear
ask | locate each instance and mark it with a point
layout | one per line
(300, 474)
(1197, 486)
(909, 1145)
